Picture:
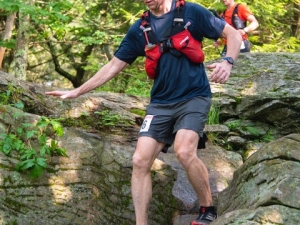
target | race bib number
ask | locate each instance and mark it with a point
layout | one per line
(146, 124)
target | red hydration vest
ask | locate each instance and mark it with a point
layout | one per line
(178, 41)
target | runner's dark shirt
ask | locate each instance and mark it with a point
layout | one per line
(178, 79)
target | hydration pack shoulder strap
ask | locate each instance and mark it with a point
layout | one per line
(237, 23)
(178, 24)
(177, 39)
(235, 12)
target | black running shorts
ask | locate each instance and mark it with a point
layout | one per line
(162, 121)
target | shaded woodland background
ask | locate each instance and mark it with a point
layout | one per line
(64, 42)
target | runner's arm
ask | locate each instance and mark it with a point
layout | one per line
(106, 73)
(253, 24)
(221, 71)
(234, 41)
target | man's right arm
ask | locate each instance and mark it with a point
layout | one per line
(106, 73)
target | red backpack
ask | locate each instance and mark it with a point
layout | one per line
(178, 41)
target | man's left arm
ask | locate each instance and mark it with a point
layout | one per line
(221, 71)
(253, 24)
(246, 14)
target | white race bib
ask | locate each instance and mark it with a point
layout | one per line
(147, 122)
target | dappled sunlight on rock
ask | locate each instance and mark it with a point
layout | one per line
(61, 194)
(90, 104)
(220, 186)
(250, 89)
(224, 168)
(157, 165)
(274, 216)
(64, 177)
(217, 88)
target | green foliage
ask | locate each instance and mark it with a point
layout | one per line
(73, 26)
(252, 130)
(11, 6)
(139, 88)
(133, 81)
(237, 126)
(268, 137)
(22, 138)
(233, 125)
(276, 19)
(138, 112)
(4, 97)
(216, 139)
(8, 43)
(11, 97)
(109, 119)
(213, 115)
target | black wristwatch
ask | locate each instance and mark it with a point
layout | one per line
(229, 60)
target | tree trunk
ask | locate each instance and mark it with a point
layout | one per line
(19, 65)
(7, 34)
(296, 27)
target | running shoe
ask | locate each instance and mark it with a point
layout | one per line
(206, 216)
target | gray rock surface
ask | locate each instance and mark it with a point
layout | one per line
(266, 187)
(260, 103)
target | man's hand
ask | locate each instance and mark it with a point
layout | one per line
(63, 94)
(220, 72)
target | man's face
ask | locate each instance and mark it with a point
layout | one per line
(227, 2)
(153, 4)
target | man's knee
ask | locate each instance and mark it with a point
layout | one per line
(143, 159)
(138, 161)
(185, 156)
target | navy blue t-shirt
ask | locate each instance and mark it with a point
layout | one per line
(178, 78)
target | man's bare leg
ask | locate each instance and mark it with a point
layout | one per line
(185, 146)
(141, 185)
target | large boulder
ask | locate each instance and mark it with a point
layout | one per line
(265, 189)
(89, 186)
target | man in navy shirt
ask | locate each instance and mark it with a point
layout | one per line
(180, 99)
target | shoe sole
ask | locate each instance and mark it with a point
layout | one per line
(200, 223)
